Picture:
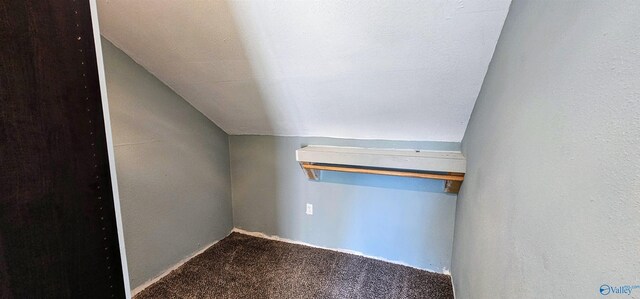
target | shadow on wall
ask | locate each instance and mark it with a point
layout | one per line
(380, 181)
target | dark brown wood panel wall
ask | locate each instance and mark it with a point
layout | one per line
(58, 236)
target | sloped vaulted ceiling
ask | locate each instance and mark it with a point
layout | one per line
(393, 69)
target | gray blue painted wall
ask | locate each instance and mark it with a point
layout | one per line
(399, 219)
(173, 169)
(550, 206)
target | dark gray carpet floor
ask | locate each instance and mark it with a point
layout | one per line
(242, 266)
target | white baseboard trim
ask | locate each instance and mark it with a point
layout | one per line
(176, 266)
(453, 287)
(277, 238)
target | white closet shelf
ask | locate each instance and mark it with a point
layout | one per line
(449, 166)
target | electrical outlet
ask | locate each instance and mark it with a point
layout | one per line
(309, 209)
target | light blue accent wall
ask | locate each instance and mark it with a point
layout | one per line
(400, 219)
(550, 205)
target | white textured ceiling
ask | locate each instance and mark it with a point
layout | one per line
(403, 70)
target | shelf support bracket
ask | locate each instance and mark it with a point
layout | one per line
(453, 186)
(312, 174)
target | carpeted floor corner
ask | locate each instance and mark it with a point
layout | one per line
(242, 266)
